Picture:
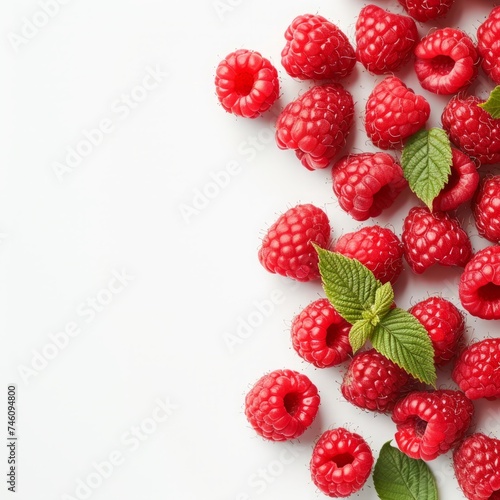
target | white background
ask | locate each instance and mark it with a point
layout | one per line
(191, 278)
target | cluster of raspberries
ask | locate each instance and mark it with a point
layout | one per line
(429, 422)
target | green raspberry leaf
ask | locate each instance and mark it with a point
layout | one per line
(359, 333)
(384, 298)
(401, 337)
(349, 285)
(396, 476)
(426, 162)
(492, 104)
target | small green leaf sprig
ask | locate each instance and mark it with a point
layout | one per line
(368, 305)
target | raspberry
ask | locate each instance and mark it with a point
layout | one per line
(384, 41)
(316, 49)
(375, 383)
(426, 10)
(287, 247)
(445, 325)
(486, 208)
(246, 83)
(316, 124)
(341, 462)
(475, 462)
(488, 44)
(446, 61)
(367, 183)
(477, 369)
(282, 405)
(479, 287)
(320, 335)
(434, 238)
(472, 129)
(461, 186)
(393, 113)
(430, 423)
(377, 248)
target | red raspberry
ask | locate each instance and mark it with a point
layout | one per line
(316, 49)
(461, 186)
(375, 383)
(287, 247)
(316, 124)
(246, 83)
(434, 238)
(446, 61)
(477, 369)
(393, 113)
(367, 183)
(475, 462)
(384, 41)
(445, 325)
(486, 208)
(488, 43)
(479, 287)
(377, 248)
(426, 10)
(282, 405)
(341, 462)
(320, 335)
(472, 129)
(430, 423)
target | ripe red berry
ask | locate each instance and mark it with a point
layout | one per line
(446, 61)
(375, 383)
(393, 113)
(317, 49)
(341, 462)
(377, 248)
(486, 208)
(384, 40)
(477, 369)
(434, 238)
(246, 83)
(445, 325)
(287, 246)
(430, 423)
(282, 405)
(479, 287)
(316, 124)
(488, 35)
(472, 129)
(367, 183)
(476, 464)
(461, 186)
(426, 10)
(320, 335)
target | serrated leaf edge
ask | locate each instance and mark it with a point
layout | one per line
(433, 188)
(397, 457)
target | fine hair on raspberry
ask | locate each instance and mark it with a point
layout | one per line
(367, 183)
(317, 49)
(479, 286)
(430, 423)
(287, 249)
(316, 124)
(446, 61)
(341, 462)
(282, 405)
(320, 335)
